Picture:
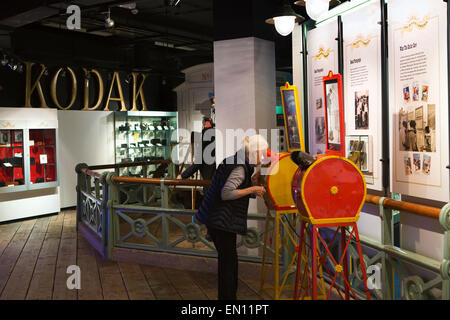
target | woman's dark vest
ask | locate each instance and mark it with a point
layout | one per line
(227, 215)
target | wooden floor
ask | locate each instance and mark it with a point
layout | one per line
(35, 254)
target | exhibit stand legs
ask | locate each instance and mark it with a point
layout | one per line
(280, 255)
(321, 256)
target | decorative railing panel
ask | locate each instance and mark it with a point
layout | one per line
(141, 213)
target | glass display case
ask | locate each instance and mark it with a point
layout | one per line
(11, 157)
(27, 157)
(42, 155)
(143, 136)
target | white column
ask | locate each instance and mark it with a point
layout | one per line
(244, 86)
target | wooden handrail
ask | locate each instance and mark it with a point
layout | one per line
(418, 209)
(128, 164)
(91, 173)
(414, 208)
(168, 182)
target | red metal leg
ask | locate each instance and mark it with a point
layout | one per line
(299, 258)
(314, 262)
(344, 242)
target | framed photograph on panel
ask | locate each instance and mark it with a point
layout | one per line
(334, 115)
(292, 118)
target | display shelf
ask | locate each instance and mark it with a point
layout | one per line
(11, 159)
(154, 127)
(43, 153)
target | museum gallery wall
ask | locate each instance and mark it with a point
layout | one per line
(322, 57)
(418, 136)
(418, 98)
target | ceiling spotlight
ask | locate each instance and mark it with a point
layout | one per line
(128, 79)
(4, 60)
(317, 8)
(174, 3)
(109, 23)
(12, 65)
(63, 73)
(20, 68)
(284, 19)
(46, 72)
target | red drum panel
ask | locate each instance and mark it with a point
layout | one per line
(328, 176)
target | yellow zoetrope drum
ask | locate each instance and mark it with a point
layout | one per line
(277, 182)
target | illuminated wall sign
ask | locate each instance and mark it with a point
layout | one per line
(33, 87)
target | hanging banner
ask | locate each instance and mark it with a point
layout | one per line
(418, 98)
(322, 58)
(362, 89)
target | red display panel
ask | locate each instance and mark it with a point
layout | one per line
(334, 115)
(11, 158)
(42, 155)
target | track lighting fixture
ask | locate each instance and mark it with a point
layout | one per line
(109, 23)
(4, 60)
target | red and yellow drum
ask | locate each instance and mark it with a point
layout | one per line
(277, 183)
(331, 190)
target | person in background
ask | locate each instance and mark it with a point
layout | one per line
(205, 166)
(412, 136)
(224, 209)
(403, 134)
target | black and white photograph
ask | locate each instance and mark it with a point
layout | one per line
(4, 138)
(358, 151)
(333, 125)
(319, 103)
(18, 136)
(417, 129)
(362, 109)
(320, 130)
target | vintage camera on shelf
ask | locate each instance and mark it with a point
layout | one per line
(137, 127)
(132, 145)
(143, 143)
(156, 142)
(145, 126)
(11, 162)
(124, 127)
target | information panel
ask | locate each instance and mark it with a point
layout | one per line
(292, 118)
(362, 89)
(418, 98)
(322, 57)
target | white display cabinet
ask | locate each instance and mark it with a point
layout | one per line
(29, 175)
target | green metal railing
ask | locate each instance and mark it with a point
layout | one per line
(138, 213)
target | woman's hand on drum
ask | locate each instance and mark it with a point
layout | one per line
(256, 177)
(258, 190)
